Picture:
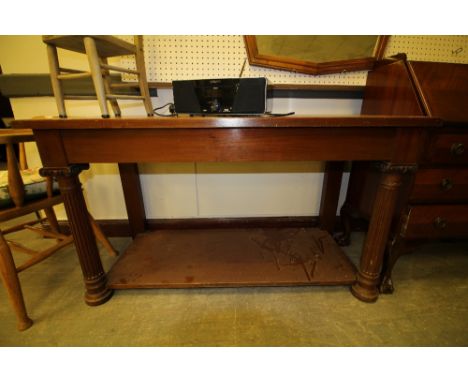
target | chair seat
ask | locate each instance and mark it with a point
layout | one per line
(35, 187)
(107, 46)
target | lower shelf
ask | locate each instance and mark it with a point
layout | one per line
(232, 257)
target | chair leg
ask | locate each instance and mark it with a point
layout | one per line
(140, 64)
(95, 67)
(56, 85)
(52, 218)
(12, 285)
(101, 237)
(107, 87)
(15, 181)
(344, 238)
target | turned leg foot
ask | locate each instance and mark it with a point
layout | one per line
(394, 251)
(365, 288)
(97, 292)
(342, 239)
(386, 285)
(24, 323)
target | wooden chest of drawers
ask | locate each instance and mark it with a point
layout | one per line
(440, 185)
(434, 199)
(451, 149)
(438, 197)
(435, 221)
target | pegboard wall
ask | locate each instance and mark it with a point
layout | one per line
(430, 48)
(182, 57)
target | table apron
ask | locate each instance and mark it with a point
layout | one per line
(224, 145)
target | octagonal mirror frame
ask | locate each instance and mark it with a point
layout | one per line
(293, 64)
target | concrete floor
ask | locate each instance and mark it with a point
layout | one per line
(429, 308)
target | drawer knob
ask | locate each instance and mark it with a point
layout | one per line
(440, 223)
(457, 149)
(446, 184)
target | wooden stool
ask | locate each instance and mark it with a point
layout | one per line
(98, 49)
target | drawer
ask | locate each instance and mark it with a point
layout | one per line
(436, 221)
(448, 148)
(440, 185)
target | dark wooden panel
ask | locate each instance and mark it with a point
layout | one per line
(314, 92)
(232, 257)
(443, 88)
(437, 221)
(39, 85)
(236, 145)
(441, 185)
(389, 90)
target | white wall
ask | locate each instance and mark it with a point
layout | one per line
(186, 190)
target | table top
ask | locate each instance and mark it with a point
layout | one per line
(228, 122)
(220, 139)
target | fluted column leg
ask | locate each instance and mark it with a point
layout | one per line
(368, 278)
(95, 281)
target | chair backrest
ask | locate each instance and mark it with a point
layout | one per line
(98, 49)
(22, 190)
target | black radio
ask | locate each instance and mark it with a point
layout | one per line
(224, 96)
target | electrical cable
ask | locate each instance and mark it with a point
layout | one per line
(270, 114)
(171, 110)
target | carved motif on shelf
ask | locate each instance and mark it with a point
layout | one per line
(388, 167)
(71, 170)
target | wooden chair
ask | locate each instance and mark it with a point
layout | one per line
(19, 198)
(98, 49)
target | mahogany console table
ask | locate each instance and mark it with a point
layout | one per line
(234, 256)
